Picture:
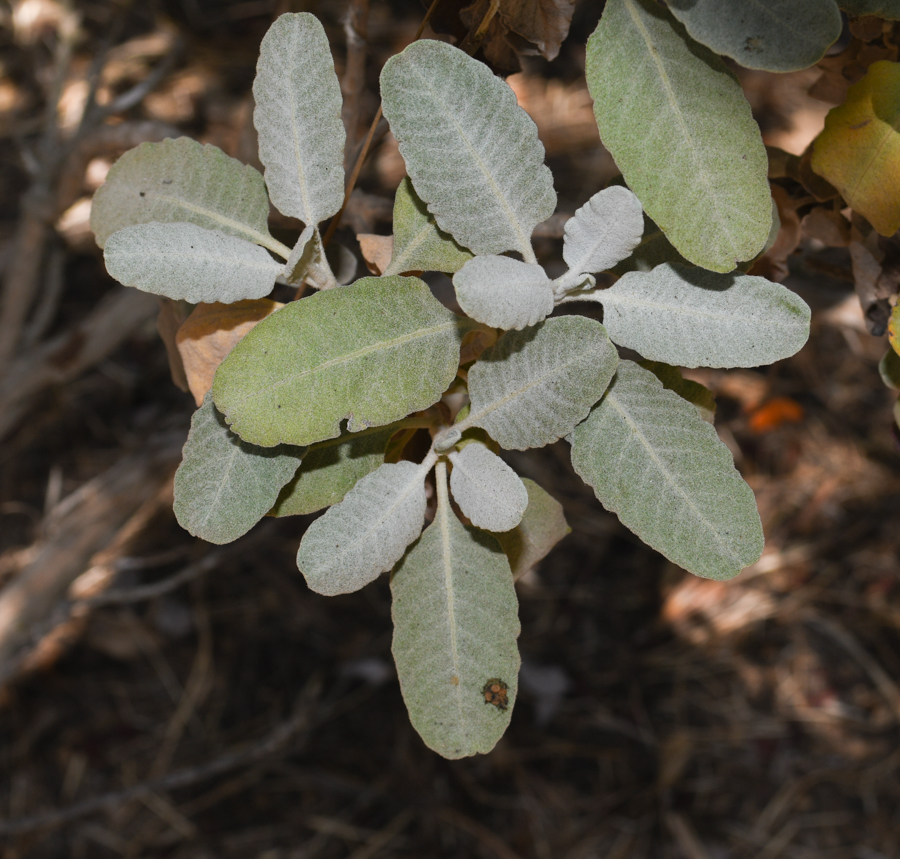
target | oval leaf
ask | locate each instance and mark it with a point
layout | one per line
(695, 318)
(367, 533)
(472, 153)
(182, 180)
(489, 493)
(532, 387)
(455, 628)
(419, 244)
(604, 231)
(775, 35)
(372, 352)
(503, 292)
(655, 463)
(660, 99)
(187, 262)
(224, 486)
(298, 118)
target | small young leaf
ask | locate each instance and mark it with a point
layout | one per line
(777, 35)
(182, 180)
(655, 463)
(604, 231)
(367, 533)
(472, 153)
(184, 261)
(503, 292)
(419, 244)
(662, 99)
(487, 490)
(532, 387)
(695, 318)
(372, 352)
(298, 117)
(542, 527)
(455, 628)
(331, 469)
(224, 486)
(305, 252)
(702, 398)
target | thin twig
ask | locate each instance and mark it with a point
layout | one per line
(157, 589)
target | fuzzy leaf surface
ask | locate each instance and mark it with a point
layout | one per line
(367, 533)
(655, 463)
(419, 244)
(487, 490)
(224, 486)
(372, 353)
(298, 118)
(775, 35)
(331, 469)
(662, 99)
(455, 628)
(504, 292)
(184, 261)
(472, 153)
(182, 180)
(695, 318)
(532, 387)
(604, 231)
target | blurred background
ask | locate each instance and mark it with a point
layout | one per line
(161, 697)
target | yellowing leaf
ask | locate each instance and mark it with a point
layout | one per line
(859, 149)
(894, 329)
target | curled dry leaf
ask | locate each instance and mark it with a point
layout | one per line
(377, 251)
(211, 332)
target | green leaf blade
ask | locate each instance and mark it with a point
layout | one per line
(472, 153)
(655, 463)
(371, 353)
(298, 118)
(662, 100)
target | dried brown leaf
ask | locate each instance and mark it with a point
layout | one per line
(376, 251)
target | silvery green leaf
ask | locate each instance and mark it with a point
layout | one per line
(472, 153)
(331, 469)
(603, 231)
(488, 491)
(655, 463)
(305, 252)
(775, 35)
(532, 387)
(695, 393)
(419, 244)
(224, 486)
(372, 353)
(503, 292)
(183, 181)
(298, 117)
(678, 125)
(542, 527)
(455, 628)
(187, 262)
(695, 318)
(367, 533)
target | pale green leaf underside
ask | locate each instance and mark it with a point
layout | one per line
(472, 153)
(775, 35)
(298, 118)
(224, 486)
(542, 527)
(532, 387)
(655, 463)
(419, 245)
(182, 180)
(455, 628)
(604, 231)
(695, 318)
(372, 353)
(306, 251)
(367, 533)
(504, 292)
(187, 262)
(678, 125)
(331, 469)
(695, 393)
(488, 491)
(888, 9)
